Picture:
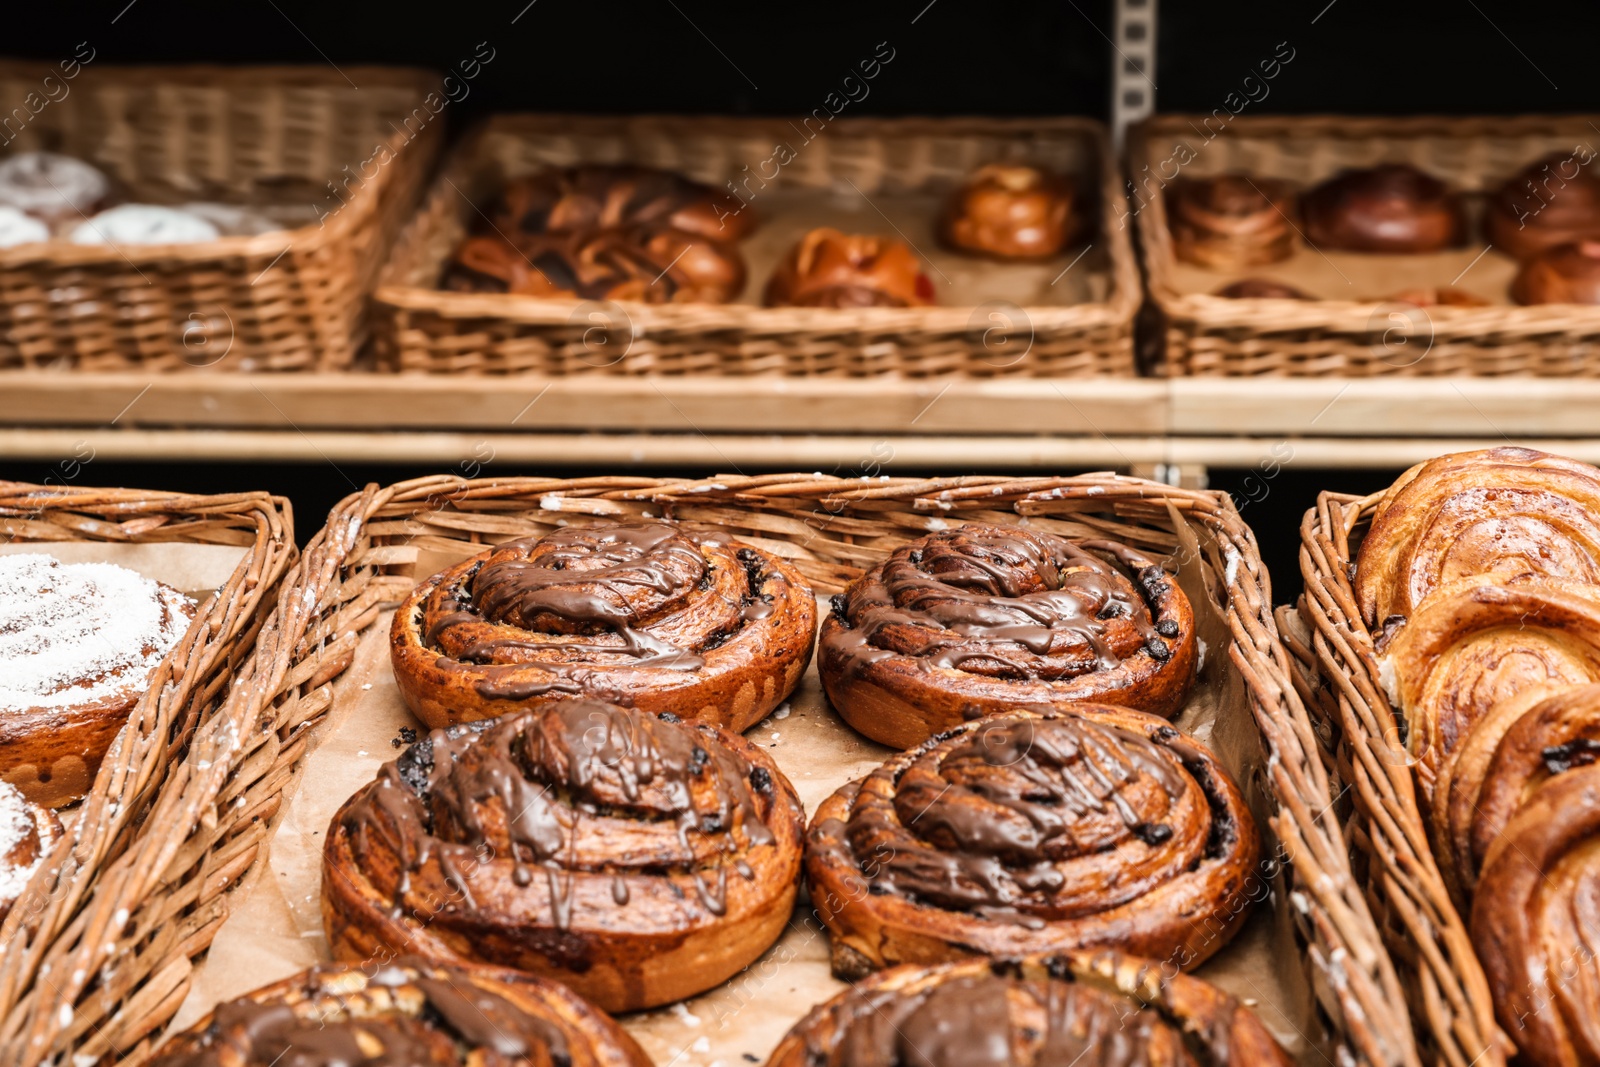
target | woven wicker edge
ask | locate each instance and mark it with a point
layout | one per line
(1118, 310)
(1445, 987)
(123, 817)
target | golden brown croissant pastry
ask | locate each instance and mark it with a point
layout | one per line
(986, 618)
(411, 1013)
(1483, 649)
(1230, 221)
(1074, 1009)
(829, 269)
(1511, 514)
(1392, 208)
(1035, 832)
(1563, 274)
(637, 859)
(28, 832)
(1010, 211)
(78, 642)
(649, 614)
(1534, 922)
(1549, 202)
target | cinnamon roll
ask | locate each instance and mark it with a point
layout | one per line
(1512, 515)
(637, 859)
(1393, 208)
(829, 269)
(28, 832)
(78, 641)
(1563, 274)
(1075, 1009)
(1549, 202)
(412, 1013)
(649, 614)
(1483, 649)
(1010, 211)
(1230, 221)
(1035, 831)
(1534, 922)
(604, 196)
(987, 618)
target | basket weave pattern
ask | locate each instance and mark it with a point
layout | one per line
(420, 328)
(1211, 335)
(1445, 986)
(292, 300)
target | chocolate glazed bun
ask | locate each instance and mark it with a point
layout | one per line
(1392, 208)
(987, 618)
(639, 860)
(412, 1013)
(1035, 832)
(1550, 202)
(1074, 1009)
(1231, 221)
(648, 614)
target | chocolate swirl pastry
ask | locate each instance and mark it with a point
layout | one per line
(79, 642)
(988, 618)
(1010, 211)
(649, 614)
(1550, 202)
(1505, 757)
(618, 197)
(1261, 289)
(1511, 515)
(829, 269)
(639, 860)
(1100, 1009)
(28, 832)
(1035, 831)
(659, 267)
(1563, 274)
(1231, 221)
(1393, 208)
(412, 1013)
(1533, 922)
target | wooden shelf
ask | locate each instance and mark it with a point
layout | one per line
(1019, 423)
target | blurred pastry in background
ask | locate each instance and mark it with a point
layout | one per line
(1011, 211)
(1392, 208)
(1231, 221)
(1549, 202)
(1565, 274)
(836, 270)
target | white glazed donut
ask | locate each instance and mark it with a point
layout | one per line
(233, 220)
(18, 228)
(144, 224)
(51, 185)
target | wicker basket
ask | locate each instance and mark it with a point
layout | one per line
(1338, 675)
(831, 528)
(269, 136)
(417, 327)
(1364, 335)
(118, 883)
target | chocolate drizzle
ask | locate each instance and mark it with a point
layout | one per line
(572, 792)
(583, 599)
(412, 1018)
(1006, 602)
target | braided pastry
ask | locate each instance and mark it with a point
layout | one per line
(618, 197)
(637, 859)
(1073, 1009)
(829, 269)
(649, 614)
(1035, 831)
(1392, 208)
(1010, 211)
(986, 618)
(661, 267)
(413, 1013)
(1512, 515)
(1230, 221)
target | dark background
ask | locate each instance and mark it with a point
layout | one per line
(950, 57)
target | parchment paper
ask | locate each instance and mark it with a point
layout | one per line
(277, 927)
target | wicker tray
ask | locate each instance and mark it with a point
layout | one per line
(375, 542)
(1337, 673)
(275, 137)
(125, 881)
(1355, 331)
(870, 175)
